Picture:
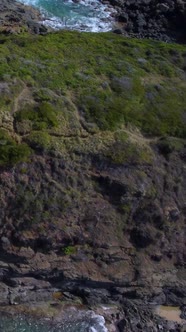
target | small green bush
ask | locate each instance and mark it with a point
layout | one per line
(69, 250)
(42, 116)
(39, 140)
(10, 152)
(130, 153)
(124, 151)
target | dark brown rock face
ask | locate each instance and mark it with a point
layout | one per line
(105, 232)
(164, 20)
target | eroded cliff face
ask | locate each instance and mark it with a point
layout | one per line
(92, 170)
(83, 219)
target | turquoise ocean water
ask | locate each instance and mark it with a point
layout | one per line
(82, 15)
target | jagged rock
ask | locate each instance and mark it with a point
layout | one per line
(4, 294)
(150, 19)
(29, 283)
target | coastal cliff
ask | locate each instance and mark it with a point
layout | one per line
(92, 171)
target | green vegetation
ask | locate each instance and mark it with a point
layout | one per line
(42, 116)
(167, 145)
(130, 153)
(10, 152)
(65, 82)
(123, 150)
(39, 140)
(69, 250)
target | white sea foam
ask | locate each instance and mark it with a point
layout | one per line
(99, 325)
(30, 2)
(92, 329)
(80, 322)
(85, 15)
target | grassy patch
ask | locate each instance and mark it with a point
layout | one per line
(111, 80)
(39, 140)
(123, 150)
(42, 116)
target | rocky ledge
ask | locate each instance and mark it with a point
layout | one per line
(17, 18)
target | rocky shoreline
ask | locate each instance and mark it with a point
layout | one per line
(44, 263)
(130, 316)
(47, 294)
(160, 20)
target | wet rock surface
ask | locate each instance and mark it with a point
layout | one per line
(127, 317)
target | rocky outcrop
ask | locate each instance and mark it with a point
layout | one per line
(17, 18)
(126, 226)
(162, 20)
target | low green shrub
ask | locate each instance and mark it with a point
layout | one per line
(42, 116)
(10, 152)
(69, 250)
(124, 151)
(39, 140)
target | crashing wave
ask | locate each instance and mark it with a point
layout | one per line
(81, 15)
